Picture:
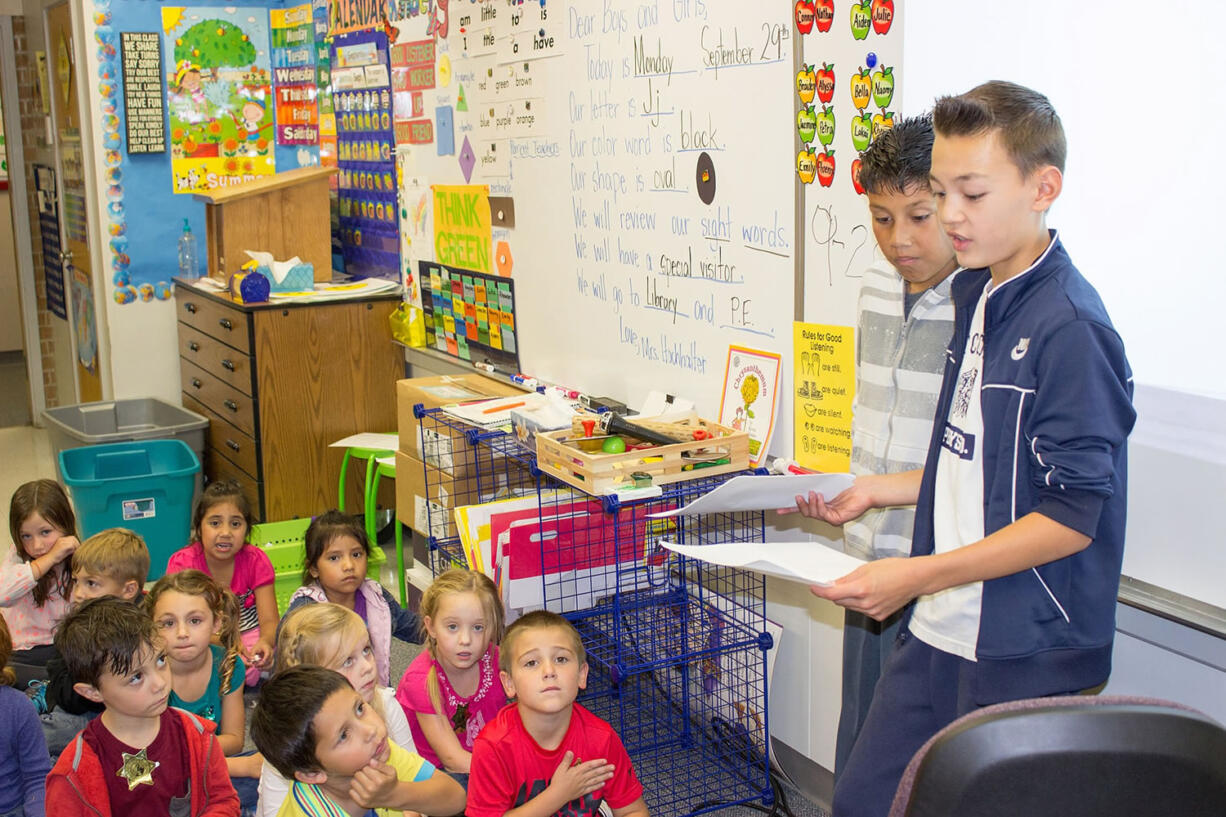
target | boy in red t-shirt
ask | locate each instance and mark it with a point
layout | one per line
(544, 755)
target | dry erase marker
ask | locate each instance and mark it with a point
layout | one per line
(782, 466)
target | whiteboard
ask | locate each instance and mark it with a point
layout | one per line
(1139, 217)
(626, 279)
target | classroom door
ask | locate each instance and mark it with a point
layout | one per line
(66, 82)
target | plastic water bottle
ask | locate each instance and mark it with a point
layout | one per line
(188, 268)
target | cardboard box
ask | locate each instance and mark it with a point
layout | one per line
(426, 497)
(446, 448)
(426, 505)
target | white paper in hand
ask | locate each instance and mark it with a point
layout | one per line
(806, 562)
(763, 492)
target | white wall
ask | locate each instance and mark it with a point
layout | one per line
(1134, 83)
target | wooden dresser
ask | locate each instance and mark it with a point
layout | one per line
(279, 383)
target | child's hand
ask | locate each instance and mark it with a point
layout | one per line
(572, 781)
(63, 548)
(373, 785)
(260, 654)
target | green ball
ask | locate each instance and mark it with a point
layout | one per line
(613, 445)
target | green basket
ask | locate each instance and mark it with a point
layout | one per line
(285, 544)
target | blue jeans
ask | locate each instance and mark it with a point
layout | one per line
(867, 644)
(921, 690)
(248, 789)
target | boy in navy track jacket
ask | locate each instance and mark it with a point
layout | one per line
(1019, 531)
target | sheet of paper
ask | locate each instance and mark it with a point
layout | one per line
(762, 492)
(369, 439)
(806, 562)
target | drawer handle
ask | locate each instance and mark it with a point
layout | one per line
(227, 364)
(195, 347)
(196, 383)
(230, 404)
(226, 323)
(233, 446)
(190, 307)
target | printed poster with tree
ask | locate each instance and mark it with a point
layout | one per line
(219, 96)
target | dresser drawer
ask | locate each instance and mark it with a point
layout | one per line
(216, 358)
(228, 438)
(217, 467)
(217, 396)
(231, 326)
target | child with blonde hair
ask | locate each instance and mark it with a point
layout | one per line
(24, 762)
(451, 689)
(331, 636)
(34, 575)
(337, 550)
(113, 562)
(221, 524)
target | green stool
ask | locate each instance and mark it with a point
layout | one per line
(359, 446)
(380, 462)
(376, 469)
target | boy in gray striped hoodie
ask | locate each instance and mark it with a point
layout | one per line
(905, 320)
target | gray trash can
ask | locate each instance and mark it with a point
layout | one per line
(117, 421)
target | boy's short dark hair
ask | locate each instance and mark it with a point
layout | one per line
(899, 160)
(537, 620)
(283, 724)
(100, 634)
(118, 553)
(1030, 130)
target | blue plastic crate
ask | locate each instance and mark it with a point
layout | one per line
(146, 486)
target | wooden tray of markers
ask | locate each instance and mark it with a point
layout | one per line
(580, 461)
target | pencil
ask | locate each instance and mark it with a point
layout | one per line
(505, 407)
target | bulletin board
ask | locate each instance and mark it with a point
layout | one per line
(650, 228)
(143, 214)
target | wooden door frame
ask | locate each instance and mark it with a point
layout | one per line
(83, 73)
(22, 245)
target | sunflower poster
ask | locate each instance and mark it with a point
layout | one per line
(751, 387)
(219, 96)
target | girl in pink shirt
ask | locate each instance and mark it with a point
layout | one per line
(35, 575)
(451, 690)
(220, 525)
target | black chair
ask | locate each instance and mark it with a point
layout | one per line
(1073, 756)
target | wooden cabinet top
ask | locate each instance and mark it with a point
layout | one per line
(265, 184)
(226, 299)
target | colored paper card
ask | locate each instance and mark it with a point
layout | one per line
(461, 99)
(467, 159)
(493, 158)
(415, 77)
(532, 34)
(414, 132)
(516, 79)
(413, 53)
(824, 384)
(444, 117)
(462, 226)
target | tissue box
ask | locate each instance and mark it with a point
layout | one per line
(300, 278)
